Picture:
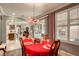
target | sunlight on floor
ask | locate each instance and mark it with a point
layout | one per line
(64, 53)
(12, 44)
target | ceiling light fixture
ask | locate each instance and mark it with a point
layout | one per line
(32, 19)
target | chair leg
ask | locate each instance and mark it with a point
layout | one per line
(4, 50)
(22, 53)
(56, 53)
(4, 53)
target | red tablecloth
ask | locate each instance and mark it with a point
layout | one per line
(27, 40)
(46, 42)
(36, 50)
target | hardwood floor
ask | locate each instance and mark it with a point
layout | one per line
(64, 53)
(16, 52)
(13, 50)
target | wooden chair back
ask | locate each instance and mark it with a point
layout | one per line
(22, 47)
(54, 48)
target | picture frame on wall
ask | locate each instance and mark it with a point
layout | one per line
(12, 27)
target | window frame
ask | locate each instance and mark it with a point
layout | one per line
(68, 24)
(60, 25)
(60, 13)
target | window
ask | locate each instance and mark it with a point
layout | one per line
(43, 26)
(61, 33)
(74, 25)
(74, 16)
(74, 13)
(76, 21)
(37, 31)
(61, 18)
(61, 25)
(67, 24)
(74, 33)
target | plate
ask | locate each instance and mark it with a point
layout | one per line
(46, 47)
(28, 43)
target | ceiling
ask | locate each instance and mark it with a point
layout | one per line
(26, 9)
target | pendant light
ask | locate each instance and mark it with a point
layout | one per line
(33, 20)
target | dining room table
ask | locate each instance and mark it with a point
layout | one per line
(36, 49)
(27, 40)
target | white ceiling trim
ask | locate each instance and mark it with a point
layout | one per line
(50, 11)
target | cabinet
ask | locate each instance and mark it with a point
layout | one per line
(11, 36)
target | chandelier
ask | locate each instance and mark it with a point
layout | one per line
(33, 20)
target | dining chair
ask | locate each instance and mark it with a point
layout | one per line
(54, 48)
(22, 47)
(58, 45)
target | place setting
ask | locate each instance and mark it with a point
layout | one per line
(47, 46)
(28, 43)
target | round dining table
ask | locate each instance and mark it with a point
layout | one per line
(36, 50)
(27, 40)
